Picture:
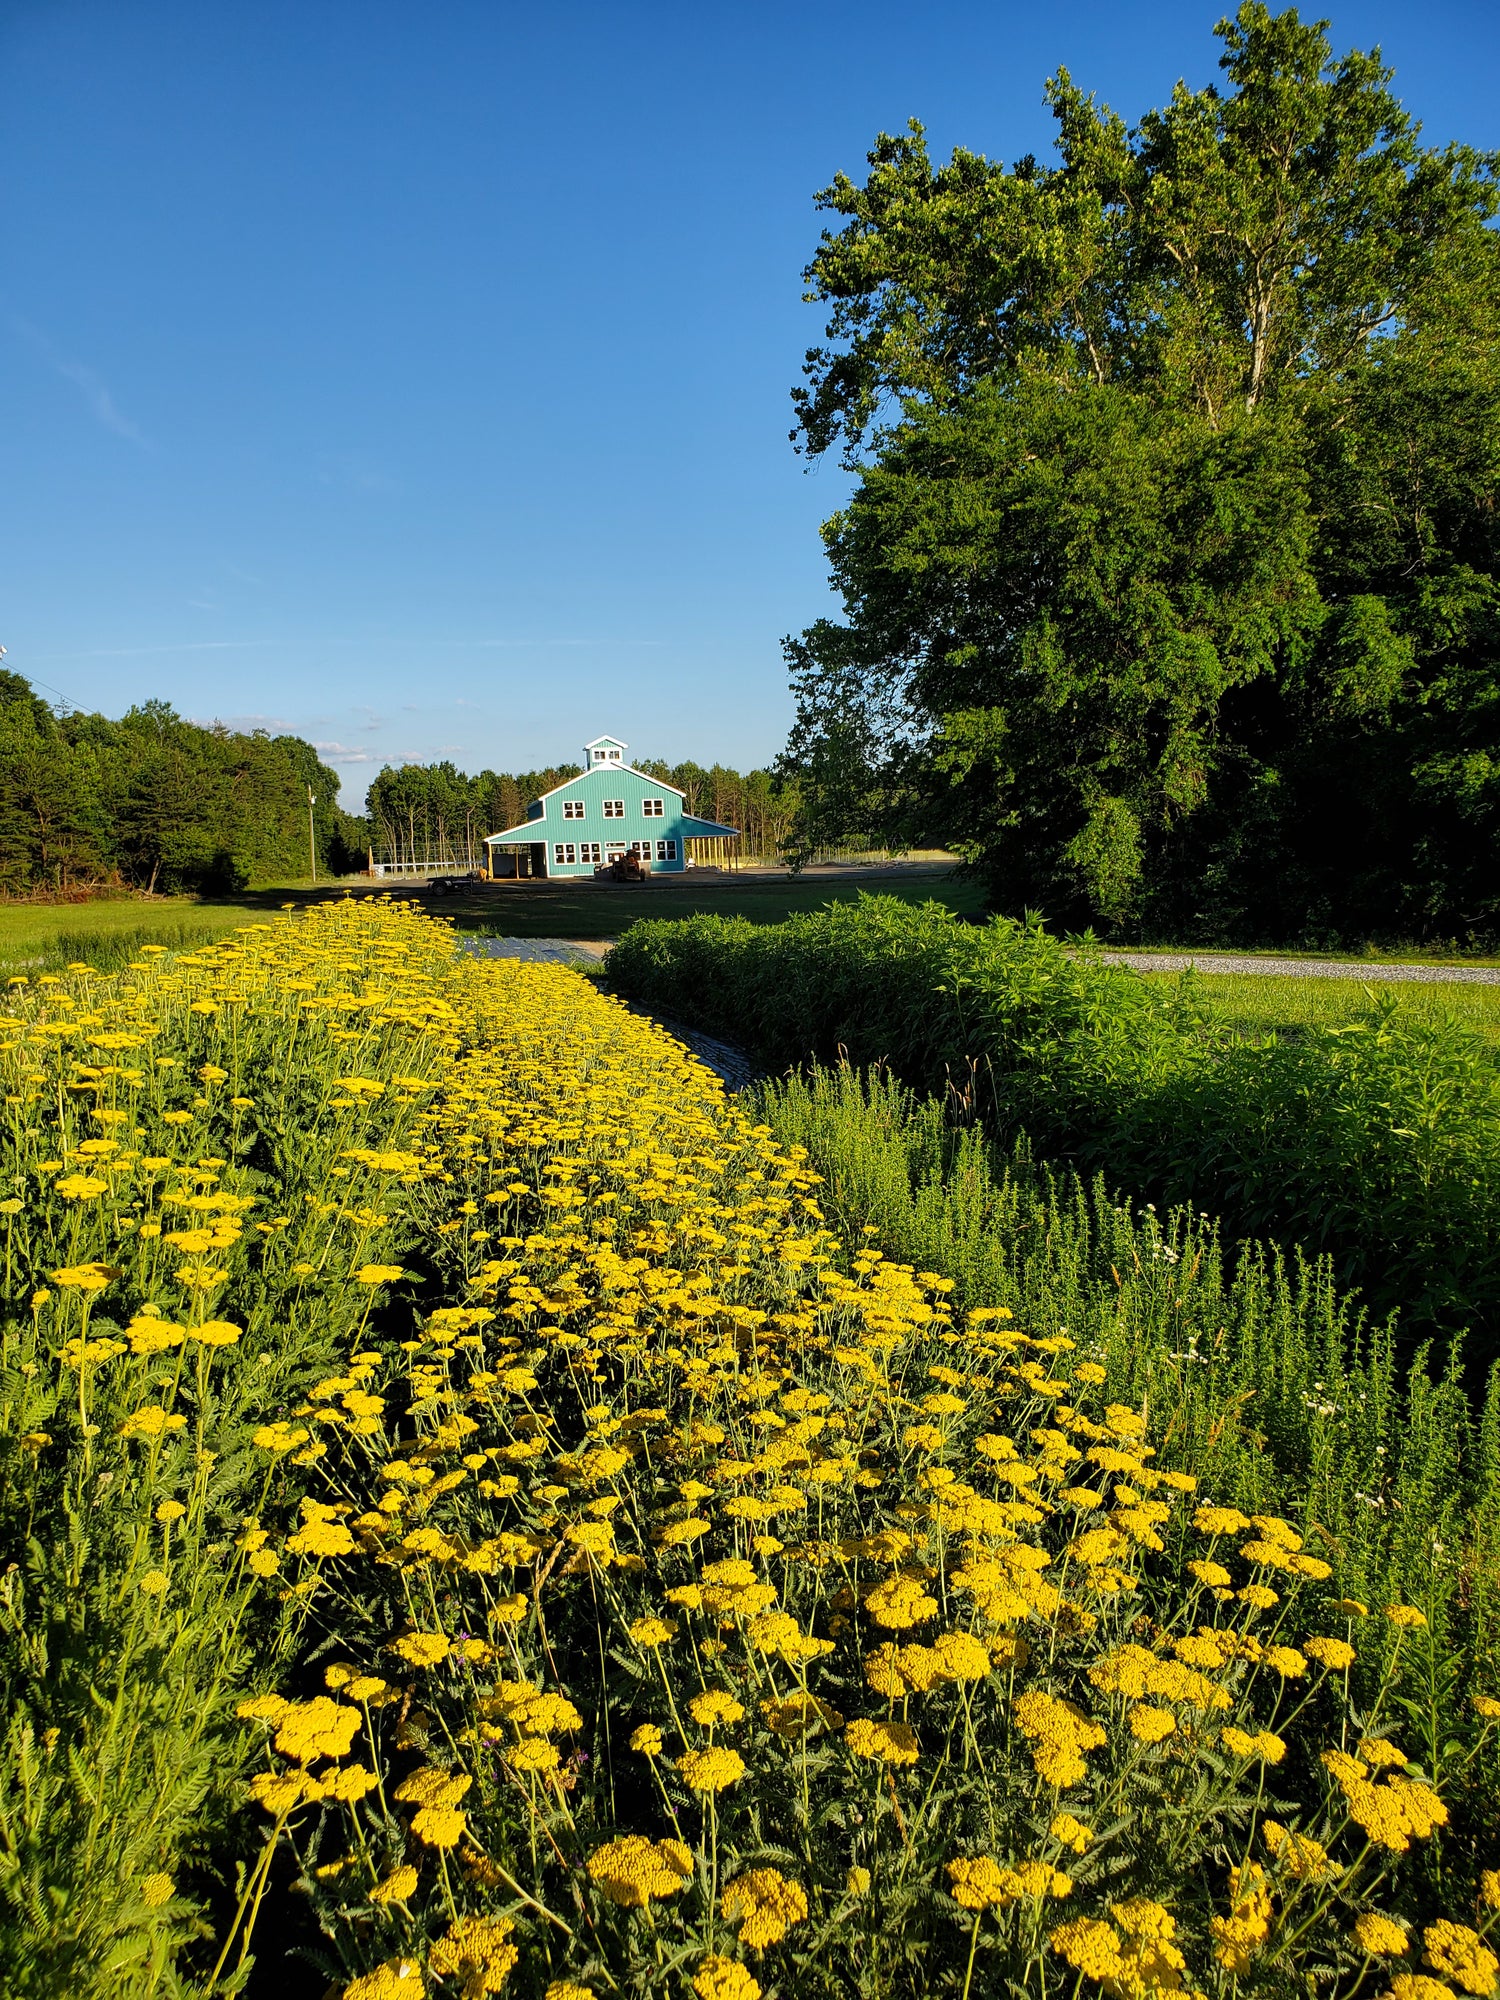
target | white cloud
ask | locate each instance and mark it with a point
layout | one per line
(88, 380)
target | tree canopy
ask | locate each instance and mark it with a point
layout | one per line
(153, 801)
(1170, 571)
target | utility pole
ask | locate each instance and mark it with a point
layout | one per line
(312, 846)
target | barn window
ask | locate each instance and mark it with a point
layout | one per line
(614, 809)
(666, 850)
(653, 808)
(564, 853)
(572, 808)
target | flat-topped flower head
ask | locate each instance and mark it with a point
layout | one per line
(765, 1905)
(633, 1871)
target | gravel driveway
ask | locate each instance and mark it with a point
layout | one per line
(1373, 972)
(736, 1069)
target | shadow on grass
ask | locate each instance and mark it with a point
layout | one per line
(586, 910)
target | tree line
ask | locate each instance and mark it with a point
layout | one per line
(1171, 577)
(419, 815)
(154, 802)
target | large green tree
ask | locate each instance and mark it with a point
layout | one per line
(1169, 573)
(153, 801)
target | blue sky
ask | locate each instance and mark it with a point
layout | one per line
(415, 376)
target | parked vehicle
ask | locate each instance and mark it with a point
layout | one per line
(623, 868)
(447, 885)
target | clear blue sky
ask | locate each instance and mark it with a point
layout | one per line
(415, 376)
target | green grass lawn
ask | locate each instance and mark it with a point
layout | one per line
(603, 909)
(37, 937)
(1256, 1006)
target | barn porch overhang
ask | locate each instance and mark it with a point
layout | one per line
(532, 834)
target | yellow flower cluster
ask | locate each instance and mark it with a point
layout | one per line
(642, 1456)
(765, 1905)
(1131, 1955)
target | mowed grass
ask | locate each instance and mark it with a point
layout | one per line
(39, 937)
(36, 937)
(603, 909)
(1258, 1005)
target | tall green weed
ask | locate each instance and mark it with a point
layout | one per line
(1376, 1143)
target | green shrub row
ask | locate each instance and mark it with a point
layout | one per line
(1262, 1376)
(1376, 1143)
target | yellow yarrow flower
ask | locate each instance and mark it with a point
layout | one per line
(1380, 1937)
(765, 1905)
(1335, 1654)
(714, 1707)
(633, 1871)
(477, 1952)
(397, 1887)
(725, 1979)
(888, 1742)
(1071, 1833)
(977, 1883)
(710, 1770)
(396, 1979)
(1461, 1955)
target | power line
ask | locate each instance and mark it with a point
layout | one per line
(67, 699)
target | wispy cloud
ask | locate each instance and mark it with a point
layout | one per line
(133, 652)
(277, 722)
(348, 753)
(87, 380)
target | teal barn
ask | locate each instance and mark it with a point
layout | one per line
(608, 810)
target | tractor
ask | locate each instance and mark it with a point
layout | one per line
(623, 868)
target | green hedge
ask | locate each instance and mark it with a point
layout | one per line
(1376, 1143)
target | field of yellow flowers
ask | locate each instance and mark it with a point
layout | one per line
(469, 1519)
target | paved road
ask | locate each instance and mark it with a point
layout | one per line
(737, 1069)
(540, 951)
(1372, 972)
